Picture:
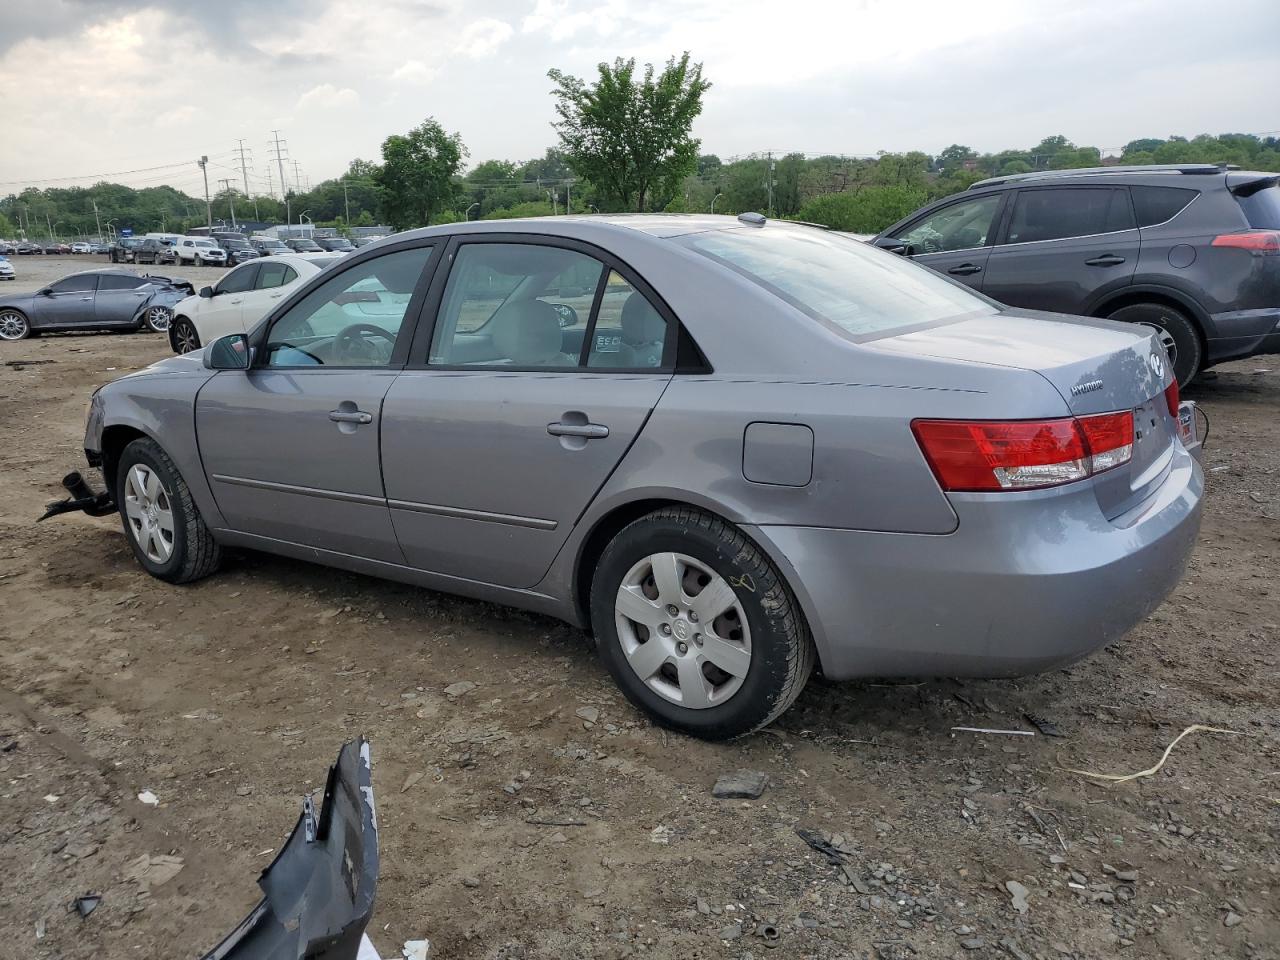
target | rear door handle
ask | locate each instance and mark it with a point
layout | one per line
(350, 416)
(1106, 260)
(965, 269)
(588, 431)
(236, 301)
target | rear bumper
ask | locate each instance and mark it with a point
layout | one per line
(1019, 587)
(1244, 333)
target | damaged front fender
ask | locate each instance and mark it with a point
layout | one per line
(318, 893)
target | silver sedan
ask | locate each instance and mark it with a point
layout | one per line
(732, 449)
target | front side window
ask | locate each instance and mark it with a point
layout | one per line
(272, 275)
(517, 305)
(846, 284)
(84, 283)
(354, 319)
(960, 226)
(238, 280)
(629, 331)
(1057, 214)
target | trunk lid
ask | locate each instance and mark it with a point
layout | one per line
(1097, 366)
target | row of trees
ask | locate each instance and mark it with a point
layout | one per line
(625, 144)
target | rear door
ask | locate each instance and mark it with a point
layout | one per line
(1064, 248)
(501, 433)
(956, 239)
(223, 313)
(119, 298)
(270, 284)
(68, 303)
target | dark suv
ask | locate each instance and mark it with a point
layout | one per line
(1192, 250)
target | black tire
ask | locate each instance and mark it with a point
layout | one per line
(782, 651)
(195, 554)
(1183, 341)
(14, 324)
(180, 330)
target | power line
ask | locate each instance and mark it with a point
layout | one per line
(95, 176)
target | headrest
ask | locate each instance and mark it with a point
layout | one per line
(527, 333)
(640, 322)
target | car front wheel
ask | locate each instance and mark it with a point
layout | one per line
(161, 520)
(1177, 334)
(184, 337)
(697, 627)
(13, 325)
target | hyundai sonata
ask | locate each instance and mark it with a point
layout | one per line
(732, 449)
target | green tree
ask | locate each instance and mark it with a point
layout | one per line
(631, 136)
(7, 229)
(867, 210)
(416, 177)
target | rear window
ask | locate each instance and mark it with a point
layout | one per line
(1262, 208)
(1063, 212)
(844, 283)
(1159, 204)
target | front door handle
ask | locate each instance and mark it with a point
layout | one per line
(965, 269)
(350, 416)
(588, 431)
(1106, 260)
(85, 299)
(236, 301)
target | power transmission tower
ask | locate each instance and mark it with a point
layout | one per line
(244, 174)
(284, 186)
(231, 201)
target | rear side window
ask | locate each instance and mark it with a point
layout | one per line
(846, 284)
(112, 282)
(274, 275)
(1058, 214)
(1158, 204)
(1262, 208)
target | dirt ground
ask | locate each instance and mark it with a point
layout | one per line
(229, 698)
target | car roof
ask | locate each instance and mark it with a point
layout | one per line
(1148, 174)
(596, 228)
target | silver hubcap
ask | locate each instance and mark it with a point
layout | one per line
(186, 338)
(683, 630)
(158, 319)
(149, 510)
(1166, 340)
(13, 326)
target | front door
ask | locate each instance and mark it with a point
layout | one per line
(1064, 249)
(290, 446)
(956, 239)
(494, 447)
(67, 303)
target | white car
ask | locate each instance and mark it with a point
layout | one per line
(240, 298)
(81, 247)
(200, 251)
(6, 269)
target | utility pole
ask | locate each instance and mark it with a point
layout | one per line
(297, 176)
(208, 206)
(770, 183)
(48, 224)
(97, 219)
(284, 187)
(568, 197)
(231, 200)
(346, 204)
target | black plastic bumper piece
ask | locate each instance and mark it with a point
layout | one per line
(318, 893)
(82, 498)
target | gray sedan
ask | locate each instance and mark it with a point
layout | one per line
(732, 449)
(93, 300)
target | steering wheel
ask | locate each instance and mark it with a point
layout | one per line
(345, 343)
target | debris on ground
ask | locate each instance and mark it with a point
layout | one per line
(416, 949)
(1018, 895)
(153, 870)
(1011, 733)
(149, 798)
(1043, 724)
(740, 785)
(459, 688)
(1152, 771)
(86, 904)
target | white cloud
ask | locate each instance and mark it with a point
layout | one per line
(327, 97)
(414, 71)
(483, 37)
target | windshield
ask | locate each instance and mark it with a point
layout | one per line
(204, 243)
(855, 288)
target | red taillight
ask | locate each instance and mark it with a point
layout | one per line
(1171, 397)
(1259, 241)
(982, 455)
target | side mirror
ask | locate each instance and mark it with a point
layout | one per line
(568, 316)
(894, 245)
(206, 292)
(231, 352)
(46, 292)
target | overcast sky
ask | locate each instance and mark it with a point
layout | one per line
(103, 86)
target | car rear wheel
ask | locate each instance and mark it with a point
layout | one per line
(13, 325)
(161, 520)
(697, 627)
(157, 319)
(1177, 334)
(184, 336)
